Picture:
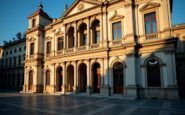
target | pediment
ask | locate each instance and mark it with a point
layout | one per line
(116, 16)
(81, 5)
(149, 5)
(31, 39)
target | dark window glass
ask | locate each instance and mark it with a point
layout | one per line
(20, 49)
(10, 62)
(117, 30)
(31, 48)
(60, 43)
(33, 23)
(47, 77)
(19, 61)
(14, 61)
(15, 50)
(48, 50)
(153, 73)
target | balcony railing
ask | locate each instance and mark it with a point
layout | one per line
(81, 48)
(70, 50)
(151, 36)
(116, 42)
(95, 46)
(60, 52)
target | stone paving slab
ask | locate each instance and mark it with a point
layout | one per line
(39, 104)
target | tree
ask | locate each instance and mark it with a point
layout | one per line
(19, 35)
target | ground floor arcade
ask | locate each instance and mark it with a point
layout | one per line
(151, 75)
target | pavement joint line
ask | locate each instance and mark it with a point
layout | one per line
(35, 109)
(128, 111)
(77, 106)
(100, 109)
(158, 108)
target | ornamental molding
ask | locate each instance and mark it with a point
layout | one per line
(116, 16)
(81, 6)
(31, 39)
(49, 38)
(149, 5)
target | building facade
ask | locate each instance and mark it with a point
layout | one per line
(12, 64)
(104, 47)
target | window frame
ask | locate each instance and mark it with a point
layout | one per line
(147, 11)
(60, 41)
(48, 47)
(116, 22)
(32, 48)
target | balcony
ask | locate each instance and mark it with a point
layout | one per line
(60, 52)
(151, 36)
(116, 42)
(81, 48)
(70, 50)
(95, 46)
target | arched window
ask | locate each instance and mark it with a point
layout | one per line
(153, 73)
(96, 31)
(83, 34)
(47, 77)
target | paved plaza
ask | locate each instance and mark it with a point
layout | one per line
(39, 104)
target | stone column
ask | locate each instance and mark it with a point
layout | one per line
(131, 83)
(88, 88)
(75, 78)
(170, 79)
(64, 78)
(167, 17)
(130, 22)
(75, 36)
(88, 34)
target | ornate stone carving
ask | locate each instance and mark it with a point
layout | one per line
(81, 6)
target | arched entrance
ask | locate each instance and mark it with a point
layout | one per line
(59, 79)
(153, 73)
(96, 78)
(70, 78)
(82, 77)
(118, 78)
(30, 81)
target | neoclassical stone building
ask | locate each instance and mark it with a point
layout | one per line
(104, 47)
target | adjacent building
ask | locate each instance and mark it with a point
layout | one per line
(106, 47)
(12, 64)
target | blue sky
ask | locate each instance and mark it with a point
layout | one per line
(14, 13)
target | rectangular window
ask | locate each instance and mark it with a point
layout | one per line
(31, 48)
(117, 30)
(10, 62)
(150, 23)
(60, 43)
(19, 61)
(14, 61)
(48, 49)
(15, 50)
(10, 51)
(6, 63)
(20, 49)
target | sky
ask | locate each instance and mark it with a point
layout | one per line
(14, 13)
